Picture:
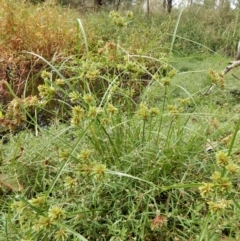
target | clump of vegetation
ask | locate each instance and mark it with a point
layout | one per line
(44, 29)
(135, 146)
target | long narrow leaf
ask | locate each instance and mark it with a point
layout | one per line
(80, 26)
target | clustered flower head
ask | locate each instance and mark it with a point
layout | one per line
(174, 109)
(70, 182)
(19, 206)
(59, 82)
(39, 201)
(217, 192)
(216, 176)
(44, 221)
(92, 74)
(46, 74)
(85, 168)
(154, 111)
(222, 159)
(111, 109)
(129, 14)
(85, 155)
(144, 112)
(78, 114)
(64, 154)
(216, 207)
(133, 67)
(94, 112)
(206, 189)
(46, 91)
(89, 99)
(119, 20)
(216, 78)
(105, 121)
(232, 168)
(56, 213)
(74, 96)
(99, 170)
(171, 73)
(166, 81)
(224, 184)
(86, 109)
(114, 14)
(16, 114)
(61, 235)
(90, 71)
(184, 102)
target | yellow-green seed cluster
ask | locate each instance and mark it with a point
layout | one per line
(217, 192)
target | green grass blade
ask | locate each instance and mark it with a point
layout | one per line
(175, 30)
(81, 28)
(234, 137)
(65, 163)
(70, 230)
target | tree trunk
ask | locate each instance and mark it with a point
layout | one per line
(169, 6)
(148, 6)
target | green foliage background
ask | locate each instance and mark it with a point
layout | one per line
(125, 127)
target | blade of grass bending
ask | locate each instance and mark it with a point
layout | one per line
(70, 230)
(234, 137)
(121, 174)
(204, 230)
(25, 201)
(7, 221)
(236, 203)
(65, 163)
(164, 188)
(80, 27)
(181, 185)
(106, 94)
(109, 138)
(48, 63)
(175, 30)
(194, 42)
(53, 68)
(190, 96)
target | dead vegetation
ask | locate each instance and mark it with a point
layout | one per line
(43, 29)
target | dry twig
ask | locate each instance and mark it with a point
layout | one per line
(234, 64)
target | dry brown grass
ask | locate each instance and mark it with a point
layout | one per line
(43, 29)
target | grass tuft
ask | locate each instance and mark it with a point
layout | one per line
(112, 139)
